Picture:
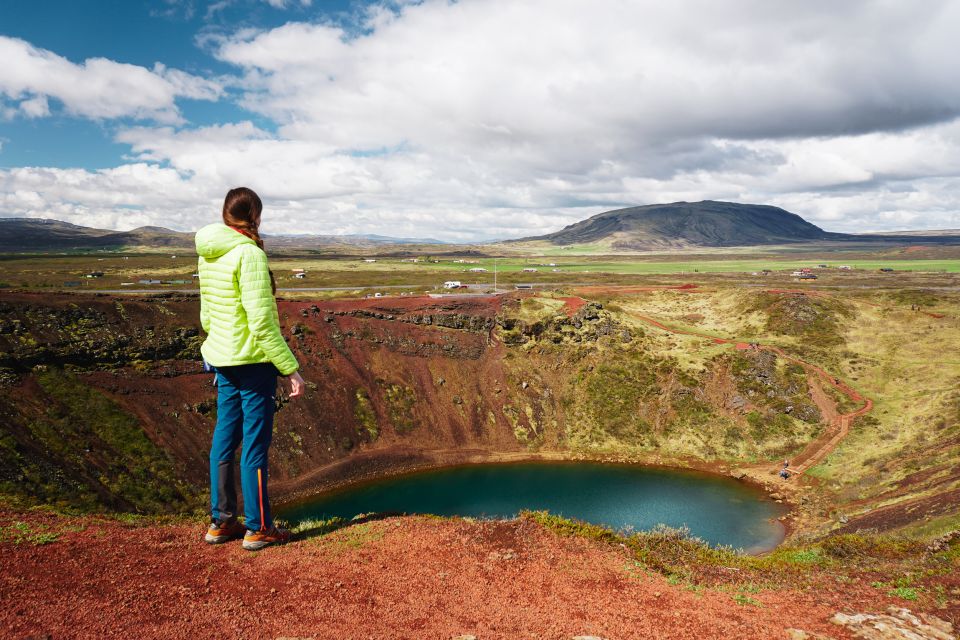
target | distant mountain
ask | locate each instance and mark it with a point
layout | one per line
(689, 224)
(390, 240)
(927, 233)
(37, 234)
(362, 240)
(32, 234)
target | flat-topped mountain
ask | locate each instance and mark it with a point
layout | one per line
(690, 224)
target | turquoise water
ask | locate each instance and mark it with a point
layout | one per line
(623, 497)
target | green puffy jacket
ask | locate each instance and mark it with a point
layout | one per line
(237, 307)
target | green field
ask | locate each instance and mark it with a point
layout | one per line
(69, 271)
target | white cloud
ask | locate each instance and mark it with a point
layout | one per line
(98, 88)
(35, 107)
(283, 4)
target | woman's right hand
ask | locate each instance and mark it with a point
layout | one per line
(296, 384)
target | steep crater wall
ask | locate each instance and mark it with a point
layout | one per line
(393, 384)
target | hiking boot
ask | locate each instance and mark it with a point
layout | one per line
(254, 540)
(220, 532)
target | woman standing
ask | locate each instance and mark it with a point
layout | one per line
(245, 348)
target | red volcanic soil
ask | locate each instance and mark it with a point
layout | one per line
(399, 577)
(625, 289)
(572, 304)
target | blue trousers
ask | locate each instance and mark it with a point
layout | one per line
(245, 406)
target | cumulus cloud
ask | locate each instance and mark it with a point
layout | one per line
(98, 88)
(498, 118)
(125, 197)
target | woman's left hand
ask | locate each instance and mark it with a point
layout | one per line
(296, 384)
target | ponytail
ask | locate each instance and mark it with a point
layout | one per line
(241, 211)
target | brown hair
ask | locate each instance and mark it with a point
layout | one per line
(241, 211)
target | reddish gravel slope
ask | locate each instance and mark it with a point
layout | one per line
(402, 577)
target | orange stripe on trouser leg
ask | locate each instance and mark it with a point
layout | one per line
(263, 521)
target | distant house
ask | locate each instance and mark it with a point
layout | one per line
(369, 259)
(797, 274)
(451, 284)
(127, 284)
(477, 269)
(195, 276)
(95, 274)
(148, 281)
(845, 267)
(530, 270)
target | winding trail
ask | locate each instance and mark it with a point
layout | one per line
(839, 425)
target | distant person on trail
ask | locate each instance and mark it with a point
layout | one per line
(245, 349)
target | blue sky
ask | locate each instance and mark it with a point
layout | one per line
(137, 32)
(478, 118)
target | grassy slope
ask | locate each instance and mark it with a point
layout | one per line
(908, 363)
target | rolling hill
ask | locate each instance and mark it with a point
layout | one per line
(39, 234)
(29, 234)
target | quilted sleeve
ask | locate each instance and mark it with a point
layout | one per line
(204, 311)
(261, 308)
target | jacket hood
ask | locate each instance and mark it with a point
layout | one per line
(216, 239)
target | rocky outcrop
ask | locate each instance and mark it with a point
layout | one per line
(589, 324)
